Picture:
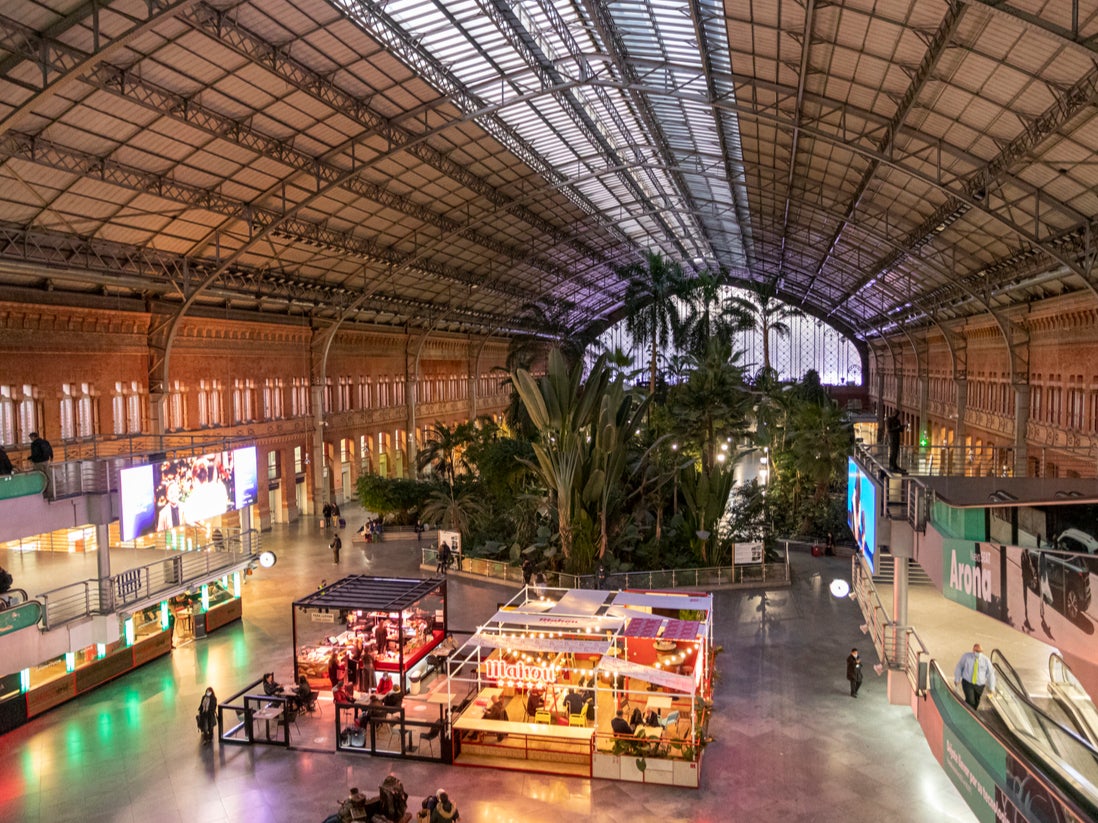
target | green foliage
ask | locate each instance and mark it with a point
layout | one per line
(652, 291)
(393, 496)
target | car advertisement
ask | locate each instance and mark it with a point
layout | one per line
(1045, 593)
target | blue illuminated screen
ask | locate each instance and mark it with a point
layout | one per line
(861, 511)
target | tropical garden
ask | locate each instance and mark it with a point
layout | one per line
(601, 461)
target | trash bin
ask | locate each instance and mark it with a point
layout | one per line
(414, 679)
(199, 625)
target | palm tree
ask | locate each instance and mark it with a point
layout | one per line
(442, 449)
(454, 508)
(652, 291)
(763, 311)
(712, 405)
(711, 314)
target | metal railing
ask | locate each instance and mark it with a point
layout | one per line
(142, 583)
(988, 461)
(771, 574)
(889, 641)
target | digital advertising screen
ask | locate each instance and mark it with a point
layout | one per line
(138, 502)
(185, 491)
(862, 505)
(245, 477)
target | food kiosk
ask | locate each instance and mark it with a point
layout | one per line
(537, 686)
(393, 623)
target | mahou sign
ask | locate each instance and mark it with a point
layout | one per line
(502, 670)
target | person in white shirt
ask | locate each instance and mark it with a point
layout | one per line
(974, 672)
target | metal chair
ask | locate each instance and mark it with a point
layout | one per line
(430, 737)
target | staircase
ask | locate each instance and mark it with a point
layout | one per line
(916, 576)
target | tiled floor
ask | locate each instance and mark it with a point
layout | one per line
(790, 743)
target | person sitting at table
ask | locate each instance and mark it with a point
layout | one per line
(394, 698)
(376, 712)
(497, 710)
(304, 694)
(619, 725)
(534, 701)
(343, 693)
(574, 702)
(270, 685)
(385, 684)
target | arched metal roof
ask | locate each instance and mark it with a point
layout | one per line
(449, 164)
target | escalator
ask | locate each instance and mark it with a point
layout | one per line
(1060, 750)
(1073, 698)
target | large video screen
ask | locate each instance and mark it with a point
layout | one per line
(861, 511)
(186, 490)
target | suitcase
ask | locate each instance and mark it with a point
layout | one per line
(817, 551)
(343, 522)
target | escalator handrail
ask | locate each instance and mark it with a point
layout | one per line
(1004, 667)
(1066, 795)
(1020, 692)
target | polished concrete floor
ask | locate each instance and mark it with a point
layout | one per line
(789, 742)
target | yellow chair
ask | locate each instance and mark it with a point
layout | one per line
(579, 719)
(543, 716)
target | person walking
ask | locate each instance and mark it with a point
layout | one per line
(335, 546)
(854, 672)
(444, 558)
(6, 468)
(207, 714)
(974, 672)
(41, 454)
(326, 513)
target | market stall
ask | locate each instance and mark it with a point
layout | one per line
(539, 686)
(371, 626)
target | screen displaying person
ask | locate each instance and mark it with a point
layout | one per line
(171, 509)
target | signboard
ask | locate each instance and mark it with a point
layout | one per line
(451, 539)
(749, 552)
(669, 680)
(525, 643)
(502, 670)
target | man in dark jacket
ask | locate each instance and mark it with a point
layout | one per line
(854, 672)
(6, 467)
(40, 456)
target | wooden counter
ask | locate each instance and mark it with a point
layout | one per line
(529, 729)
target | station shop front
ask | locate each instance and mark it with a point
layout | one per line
(538, 686)
(155, 582)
